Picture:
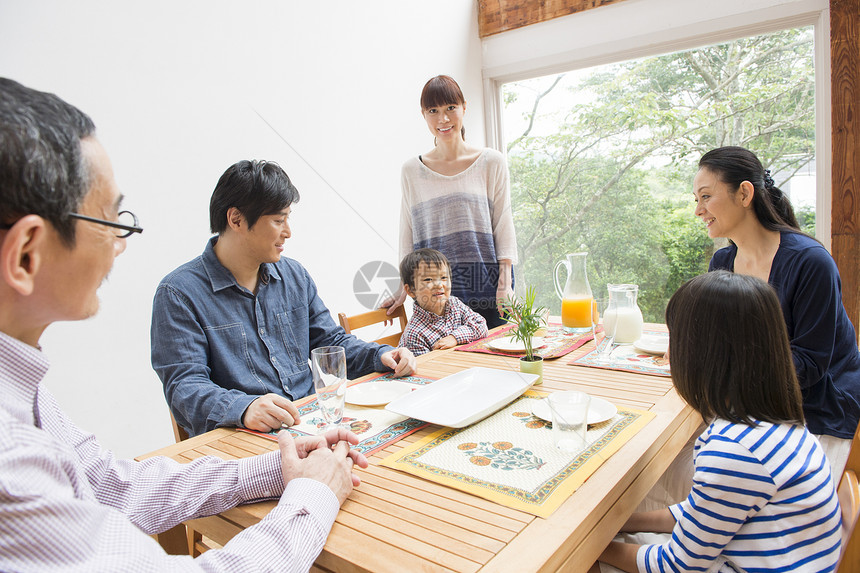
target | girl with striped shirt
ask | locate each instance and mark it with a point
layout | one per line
(763, 498)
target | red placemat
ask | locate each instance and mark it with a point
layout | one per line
(375, 427)
(557, 342)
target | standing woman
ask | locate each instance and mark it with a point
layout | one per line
(736, 198)
(456, 199)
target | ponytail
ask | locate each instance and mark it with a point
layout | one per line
(781, 204)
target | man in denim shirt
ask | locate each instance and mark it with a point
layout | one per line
(232, 330)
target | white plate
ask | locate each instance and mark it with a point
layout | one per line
(463, 398)
(509, 344)
(653, 343)
(377, 393)
(599, 410)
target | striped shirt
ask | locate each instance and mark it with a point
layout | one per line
(466, 216)
(65, 503)
(426, 328)
(763, 499)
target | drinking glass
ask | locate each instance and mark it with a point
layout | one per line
(606, 306)
(328, 365)
(569, 420)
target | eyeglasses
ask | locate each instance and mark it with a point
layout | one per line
(127, 222)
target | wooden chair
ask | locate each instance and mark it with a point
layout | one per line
(375, 317)
(196, 545)
(179, 432)
(849, 500)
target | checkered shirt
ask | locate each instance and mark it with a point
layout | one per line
(426, 328)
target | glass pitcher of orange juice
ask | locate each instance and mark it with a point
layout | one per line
(577, 302)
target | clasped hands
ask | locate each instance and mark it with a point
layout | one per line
(327, 458)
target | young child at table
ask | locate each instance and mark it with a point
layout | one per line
(763, 498)
(439, 320)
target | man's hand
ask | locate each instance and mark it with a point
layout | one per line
(306, 444)
(395, 300)
(445, 342)
(331, 466)
(270, 412)
(401, 360)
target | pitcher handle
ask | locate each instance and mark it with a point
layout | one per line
(559, 291)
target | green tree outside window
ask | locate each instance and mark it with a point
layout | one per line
(603, 159)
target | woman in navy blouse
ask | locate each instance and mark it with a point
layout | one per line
(736, 198)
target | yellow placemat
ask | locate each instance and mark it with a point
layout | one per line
(509, 457)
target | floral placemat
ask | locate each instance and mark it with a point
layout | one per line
(376, 427)
(557, 342)
(626, 357)
(509, 457)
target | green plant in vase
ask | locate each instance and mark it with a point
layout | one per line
(527, 319)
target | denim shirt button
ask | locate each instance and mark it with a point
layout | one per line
(262, 332)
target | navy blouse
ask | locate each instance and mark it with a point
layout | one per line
(823, 340)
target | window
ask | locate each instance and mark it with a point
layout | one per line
(602, 158)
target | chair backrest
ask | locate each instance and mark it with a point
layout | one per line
(374, 317)
(849, 500)
(194, 543)
(179, 432)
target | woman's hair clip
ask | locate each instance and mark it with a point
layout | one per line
(768, 180)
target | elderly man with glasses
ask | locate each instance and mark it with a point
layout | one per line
(61, 227)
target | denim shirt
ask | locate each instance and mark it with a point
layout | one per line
(217, 346)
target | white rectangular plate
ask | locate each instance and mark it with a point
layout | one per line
(463, 398)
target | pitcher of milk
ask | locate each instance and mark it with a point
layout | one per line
(625, 318)
(577, 302)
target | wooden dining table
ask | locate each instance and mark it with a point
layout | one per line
(395, 522)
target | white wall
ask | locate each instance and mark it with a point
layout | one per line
(175, 89)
